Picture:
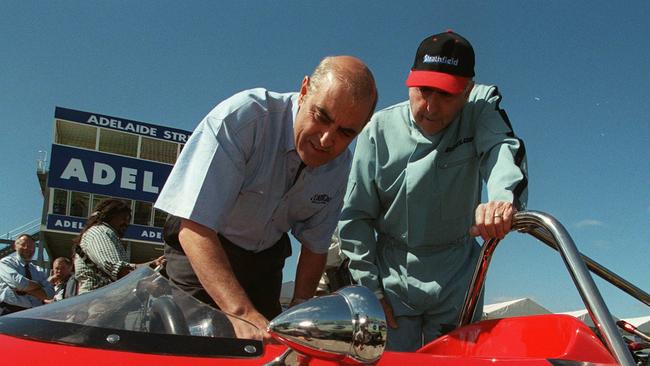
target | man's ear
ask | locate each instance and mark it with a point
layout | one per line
(303, 88)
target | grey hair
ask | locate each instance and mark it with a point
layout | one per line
(358, 81)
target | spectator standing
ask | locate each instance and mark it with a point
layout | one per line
(100, 257)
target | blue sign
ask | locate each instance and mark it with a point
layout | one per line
(65, 223)
(121, 124)
(75, 225)
(110, 175)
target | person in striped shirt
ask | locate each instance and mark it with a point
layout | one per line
(100, 257)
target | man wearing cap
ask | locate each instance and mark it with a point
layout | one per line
(260, 164)
(412, 204)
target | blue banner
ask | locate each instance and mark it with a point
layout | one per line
(121, 124)
(106, 174)
(133, 232)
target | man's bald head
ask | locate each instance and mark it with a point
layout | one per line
(25, 247)
(352, 74)
(61, 269)
(334, 105)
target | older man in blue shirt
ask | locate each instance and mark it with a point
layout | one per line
(260, 164)
(23, 285)
(413, 201)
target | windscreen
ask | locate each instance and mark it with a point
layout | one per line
(143, 301)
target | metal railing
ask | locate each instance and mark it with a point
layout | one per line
(545, 228)
(28, 228)
(6, 251)
(31, 228)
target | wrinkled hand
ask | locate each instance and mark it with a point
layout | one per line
(493, 220)
(255, 331)
(388, 311)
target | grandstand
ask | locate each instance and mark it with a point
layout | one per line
(93, 157)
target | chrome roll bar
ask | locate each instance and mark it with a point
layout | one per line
(597, 268)
(548, 230)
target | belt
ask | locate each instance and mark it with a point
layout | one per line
(421, 249)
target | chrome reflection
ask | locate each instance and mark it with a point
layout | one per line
(347, 325)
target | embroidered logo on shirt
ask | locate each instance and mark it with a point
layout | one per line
(321, 198)
(459, 142)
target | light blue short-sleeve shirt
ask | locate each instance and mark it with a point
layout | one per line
(13, 278)
(236, 176)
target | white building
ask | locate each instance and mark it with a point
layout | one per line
(519, 307)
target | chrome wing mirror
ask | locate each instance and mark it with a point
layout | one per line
(347, 326)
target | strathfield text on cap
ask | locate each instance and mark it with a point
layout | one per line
(443, 61)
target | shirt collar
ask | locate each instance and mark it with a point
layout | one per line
(111, 228)
(20, 259)
(289, 138)
(411, 118)
(416, 130)
(435, 138)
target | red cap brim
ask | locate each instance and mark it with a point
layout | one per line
(450, 83)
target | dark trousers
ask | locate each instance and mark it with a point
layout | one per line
(8, 308)
(259, 274)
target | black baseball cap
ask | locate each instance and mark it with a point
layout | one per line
(443, 61)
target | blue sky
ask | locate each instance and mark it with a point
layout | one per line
(574, 76)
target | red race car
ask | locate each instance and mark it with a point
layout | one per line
(144, 320)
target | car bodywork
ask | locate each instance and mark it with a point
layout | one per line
(142, 319)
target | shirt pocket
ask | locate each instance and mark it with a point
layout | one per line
(458, 180)
(249, 204)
